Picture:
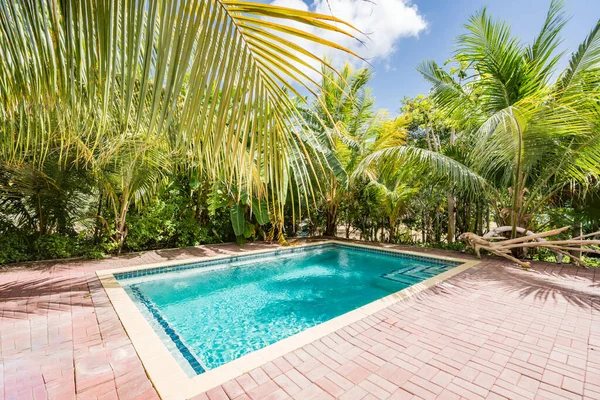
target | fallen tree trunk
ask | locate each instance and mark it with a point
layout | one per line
(503, 247)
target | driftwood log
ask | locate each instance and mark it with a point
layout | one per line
(502, 247)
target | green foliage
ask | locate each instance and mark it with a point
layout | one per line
(18, 245)
(238, 219)
(53, 246)
(152, 227)
(592, 261)
(454, 246)
(104, 160)
(46, 199)
(175, 219)
(260, 211)
(248, 216)
(14, 248)
(190, 233)
(249, 230)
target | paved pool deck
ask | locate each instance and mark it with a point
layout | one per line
(493, 331)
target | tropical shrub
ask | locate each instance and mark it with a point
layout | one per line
(54, 245)
(160, 224)
(14, 248)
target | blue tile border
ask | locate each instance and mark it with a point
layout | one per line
(430, 259)
(183, 349)
(233, 259)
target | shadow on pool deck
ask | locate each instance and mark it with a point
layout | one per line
(42, 296)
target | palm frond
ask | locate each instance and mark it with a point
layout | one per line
(212, 74)
(541, 54)
(447, 93)
(497, 58)
(421, 162)
(585, 62)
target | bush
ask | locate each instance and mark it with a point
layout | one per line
(190, 233)
(162, 224)
(17, 246)
(14, 248)
(54, 246)
(152, 227)
(94, 252)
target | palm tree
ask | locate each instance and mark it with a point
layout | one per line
(212, 78)
(392, 165)
(394, 196)
(531, 138)
(46, 200)
(130, 176)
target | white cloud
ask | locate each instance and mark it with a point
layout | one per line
(383, 22)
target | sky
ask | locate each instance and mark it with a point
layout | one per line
(403, 33)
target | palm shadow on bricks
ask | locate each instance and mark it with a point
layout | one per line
(43, 295)
(223, 249)
(542, 284)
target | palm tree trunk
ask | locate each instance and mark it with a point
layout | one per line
(120, 223)
(423, 237)
(451, 208)
(577, 231)
(331, 223)
(436, 228)
(479, 219)
(41, 225)
(451, 219)
(363, 230)
(430, 230)
(98, 227)
(517, 200)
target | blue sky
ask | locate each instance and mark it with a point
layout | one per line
(445, 20)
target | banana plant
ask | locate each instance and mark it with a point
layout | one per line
(248, 216)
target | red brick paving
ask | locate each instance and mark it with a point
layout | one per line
(492, 332)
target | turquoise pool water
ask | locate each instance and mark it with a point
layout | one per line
(212, 314)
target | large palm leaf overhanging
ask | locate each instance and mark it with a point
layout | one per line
(208, 79)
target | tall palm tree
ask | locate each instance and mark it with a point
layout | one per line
(131, 175)
(392, 165)
(77, 76)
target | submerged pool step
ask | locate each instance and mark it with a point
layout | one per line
(410, 275)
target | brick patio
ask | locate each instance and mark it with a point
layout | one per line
(494, 331)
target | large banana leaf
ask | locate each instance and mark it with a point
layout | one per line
(260, 211)
(238, 221)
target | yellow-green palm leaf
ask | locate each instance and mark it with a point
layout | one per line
(212, 78)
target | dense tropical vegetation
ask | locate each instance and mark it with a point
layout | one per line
(127, 128)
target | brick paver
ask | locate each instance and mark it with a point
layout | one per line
(492, 332)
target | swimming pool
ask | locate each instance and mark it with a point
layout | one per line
(212, 312)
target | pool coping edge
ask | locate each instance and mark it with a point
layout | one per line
(171, 380)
